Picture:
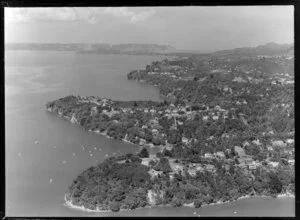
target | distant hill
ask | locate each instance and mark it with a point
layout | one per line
(152, 49)
(269, 49)
(43, 46)
(95, 48)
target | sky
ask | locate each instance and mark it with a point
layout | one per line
(187, 28)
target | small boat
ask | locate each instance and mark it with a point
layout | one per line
(51, 180)
(91, 155)
(234, 212)
(36, 142)
(95, 148)
(106, 155)
(194, 213)
(64, 162)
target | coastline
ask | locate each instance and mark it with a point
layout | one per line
(69, 204)
(191, 205)
(73, 120)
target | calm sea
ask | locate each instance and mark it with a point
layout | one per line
(44, 153)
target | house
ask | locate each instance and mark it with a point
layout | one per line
(171, 175)
(153, 111)
(175, 111)
(154, 131)
(226, 166)
(208, 155)
(220, 154)
(185, 140)
(245, 160)
(210, 168)
(278, 143)
(177, 168)
(145, 161)
(240, 151)
(224, 135)
(217, 108)
(252, 166)
(238, 79)
(179, 123)
(243, 166)
(199, 168)
(153, 121)
(291, 162)
(142, 141)
(274, 164)
(270, 148)
(144, 126)
(154, 173)
(256, 142)
(192, 171)
(94, 111)
(246, 143)
(290, 141)
(215, 117)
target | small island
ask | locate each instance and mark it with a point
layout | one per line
(225, 131)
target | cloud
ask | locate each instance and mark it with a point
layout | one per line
(132, 16)
(42, 14)
(91, 15)
(142, 16)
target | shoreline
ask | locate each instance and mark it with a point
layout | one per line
(69, 204)
(74, 121)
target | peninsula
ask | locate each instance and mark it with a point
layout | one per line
(226, 131)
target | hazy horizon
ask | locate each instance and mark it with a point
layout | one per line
(192, 28)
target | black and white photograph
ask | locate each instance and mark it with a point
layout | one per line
(174, 111)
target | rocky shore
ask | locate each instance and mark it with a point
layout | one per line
(69, 204)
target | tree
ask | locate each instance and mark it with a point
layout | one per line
(167, 153)
(163, 165)
(258, 186)
(115, 206)
(174, 137)
(144, 153)
(159, 154)
(274, 183)
(176, 202)
(198, 203)
(136, 159)
(207, 199)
